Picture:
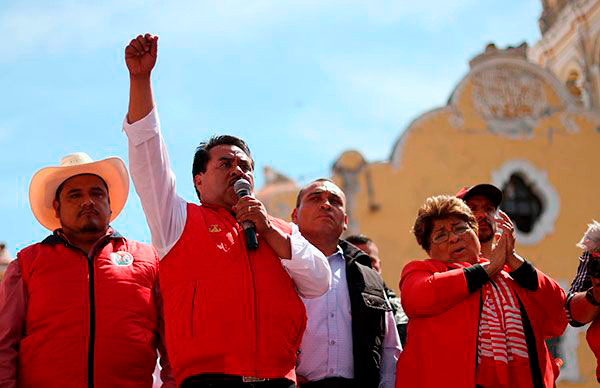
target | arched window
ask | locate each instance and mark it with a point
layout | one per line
(521, 203)
(529, 199)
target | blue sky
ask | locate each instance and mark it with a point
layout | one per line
(301, 81)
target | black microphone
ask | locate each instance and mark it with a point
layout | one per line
(242, 188)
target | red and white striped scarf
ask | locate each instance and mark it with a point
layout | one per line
(502, 357)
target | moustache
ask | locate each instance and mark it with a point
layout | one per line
(87, 211)
(486, 222)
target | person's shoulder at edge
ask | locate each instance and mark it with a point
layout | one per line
(425, 265)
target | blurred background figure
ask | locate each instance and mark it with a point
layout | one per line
(583, 303)
(5, 259)
(365, 244)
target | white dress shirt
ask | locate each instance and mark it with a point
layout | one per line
(326, 348)
(166, 212)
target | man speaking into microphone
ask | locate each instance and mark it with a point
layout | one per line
(242, 189)
(232, 314)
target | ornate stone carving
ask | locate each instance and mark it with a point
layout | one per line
(509, 97)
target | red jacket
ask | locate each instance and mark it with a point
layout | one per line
(441, 347)
(227, 310)
(88, 321)
(593, 340)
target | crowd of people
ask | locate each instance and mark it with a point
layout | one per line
(229, 296)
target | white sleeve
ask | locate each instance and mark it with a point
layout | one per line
(308, 267)
(154, 182)
(391, 351)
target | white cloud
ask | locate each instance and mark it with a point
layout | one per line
(389, 94)
(6, 132)
(49, 28)
(311, 124)
(68, 25)
(431, 14)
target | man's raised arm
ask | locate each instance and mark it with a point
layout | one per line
(152, 176)
(140, 57)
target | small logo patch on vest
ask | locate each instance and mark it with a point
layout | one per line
(214, 228)
(121, 258)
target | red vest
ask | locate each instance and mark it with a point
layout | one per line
(593, 339)
(72, 323)
(227, 310)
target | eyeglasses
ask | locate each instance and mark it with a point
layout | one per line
(443, 235)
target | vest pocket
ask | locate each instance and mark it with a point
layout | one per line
(194, 307)
(179, 306)
(375, 301)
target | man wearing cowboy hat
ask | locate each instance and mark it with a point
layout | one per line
(81, 308)
(232, 309)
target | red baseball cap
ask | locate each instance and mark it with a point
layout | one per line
(491, 192)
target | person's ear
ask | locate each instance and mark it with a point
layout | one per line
(345, 226)
(198, 181)
(56, 206)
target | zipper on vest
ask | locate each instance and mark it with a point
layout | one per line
(90, 263)
(92, 324)
(255, 304)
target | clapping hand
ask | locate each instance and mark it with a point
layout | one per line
(504, 241)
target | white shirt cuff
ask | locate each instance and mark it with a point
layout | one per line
(143, 129)
(308, 266)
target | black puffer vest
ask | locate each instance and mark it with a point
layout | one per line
(369, 305)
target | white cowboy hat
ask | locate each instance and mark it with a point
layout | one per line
(45, 182)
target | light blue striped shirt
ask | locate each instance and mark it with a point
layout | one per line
(326, 348)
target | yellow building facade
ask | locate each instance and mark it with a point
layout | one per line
(511, 122)
(570, 47)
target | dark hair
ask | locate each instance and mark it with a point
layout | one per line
(358, 239)
(440, 207)
(301, 192)
(202, 156)
(61, 186)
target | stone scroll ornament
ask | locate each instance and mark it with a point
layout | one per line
(509, 98)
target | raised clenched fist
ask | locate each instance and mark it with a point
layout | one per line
(140, 55)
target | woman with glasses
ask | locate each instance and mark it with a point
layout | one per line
(474, 322)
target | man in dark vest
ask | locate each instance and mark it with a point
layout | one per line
(368, 246)
(350, 338)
